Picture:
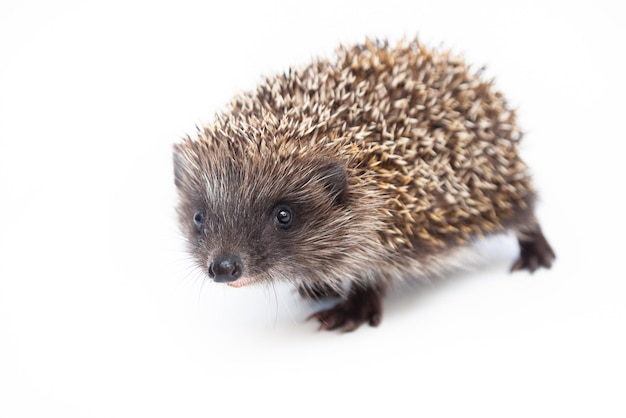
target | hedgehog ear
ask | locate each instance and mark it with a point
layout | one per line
(335, 179)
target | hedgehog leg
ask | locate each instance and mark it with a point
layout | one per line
(318, 291)
(363, 304)
(535, 251)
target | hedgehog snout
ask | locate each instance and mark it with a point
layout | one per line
(225, 268)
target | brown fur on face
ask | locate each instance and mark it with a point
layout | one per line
(388, 157)
(239, 187)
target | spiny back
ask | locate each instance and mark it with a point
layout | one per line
(415, 126)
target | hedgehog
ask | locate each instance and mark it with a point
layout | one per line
(354, 174)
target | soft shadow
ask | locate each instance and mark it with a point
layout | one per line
(491, 256)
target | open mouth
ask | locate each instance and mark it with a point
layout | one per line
(242, 281)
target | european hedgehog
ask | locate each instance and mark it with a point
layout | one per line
(355, 173)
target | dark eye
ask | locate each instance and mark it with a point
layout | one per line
(198, 219)
(283, 217)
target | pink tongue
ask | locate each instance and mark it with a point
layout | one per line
(241, 282)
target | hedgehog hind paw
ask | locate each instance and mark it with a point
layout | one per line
(535, 252)
(361, 306)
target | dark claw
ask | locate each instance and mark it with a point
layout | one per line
(519, 264)
(375, 320)
(328, 319)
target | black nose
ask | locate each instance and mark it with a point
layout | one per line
(225, 268)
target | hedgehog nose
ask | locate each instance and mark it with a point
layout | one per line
(225, 268)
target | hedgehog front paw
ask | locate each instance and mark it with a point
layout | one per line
(535, 252)
(362, 305)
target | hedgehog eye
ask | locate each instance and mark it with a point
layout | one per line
(198, 219)
(284, 217)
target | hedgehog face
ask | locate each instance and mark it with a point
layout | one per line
(254, 218)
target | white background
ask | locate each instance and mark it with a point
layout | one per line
(103, 315)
